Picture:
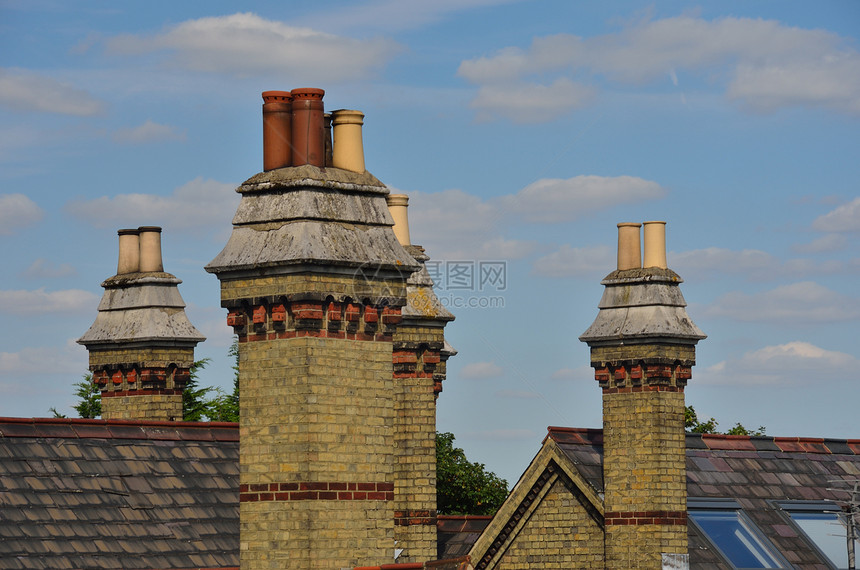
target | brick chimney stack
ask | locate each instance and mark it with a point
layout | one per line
(314, 281)
(420, 357)
(141, 345)
(643, 345)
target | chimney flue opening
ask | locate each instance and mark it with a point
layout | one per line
(129, 252)
(629, 249)
(150, 249)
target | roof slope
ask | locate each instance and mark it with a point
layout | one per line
(755, 471)
(93, 494)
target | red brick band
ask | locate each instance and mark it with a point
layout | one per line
(343, 335)
(316, 491)
(165, 392)
(637, 389)
(646, 517)
(412, 517)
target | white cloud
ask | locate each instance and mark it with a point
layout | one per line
(824, 244)
(570, 261)
(17, 211)
(455, 225)
(400, 14)
(753, 264)
(794, 304)
(761, 64)
(845, 218)
(795, 362)
(198, 203)
(719, 260)
(481, 370)
(44, 269)
(553, 200)
(148, 132)
(23, 90)
(530, 103)
(68, 359)
(39, 301)
(245, 44)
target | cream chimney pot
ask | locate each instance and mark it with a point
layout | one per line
(150, 249)
(347, 146)
(129, 252)
(397, 204)
(655, 245)
(629, 250)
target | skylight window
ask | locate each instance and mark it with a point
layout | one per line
(734, 535)
(824, 526)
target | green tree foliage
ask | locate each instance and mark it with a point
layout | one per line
(463, 487)
(194, 403)
(693, 424)
(225, 407)
(90, 398)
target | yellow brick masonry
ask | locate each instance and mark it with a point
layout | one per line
(559, 535)
(644, 454)
(415, 448)
(166, 407)
(315, 410)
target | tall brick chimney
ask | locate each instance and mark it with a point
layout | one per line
(314, 281)
(141, 345)
(642, 350)
(420, 357)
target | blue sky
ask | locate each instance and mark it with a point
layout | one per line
(522, 131)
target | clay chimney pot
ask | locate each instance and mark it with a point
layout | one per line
(348, 149)
(129, 252)
(277, 129)
(655, 245)
(308, 129)
(397, 205)
(150, 249)
(629, 249)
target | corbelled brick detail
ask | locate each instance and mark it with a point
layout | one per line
(141, 383)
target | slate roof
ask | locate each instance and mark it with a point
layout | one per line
(457, 533)
(94, 494)
(755, 471)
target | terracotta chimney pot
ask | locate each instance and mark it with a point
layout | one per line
(150, 249)
(277, 129)
(348, 149)
(397, 204)
(308, 127)
(629, 250)
(129, 252)
(655, 245)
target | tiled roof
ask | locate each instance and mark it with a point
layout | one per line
(755, 471)
(457, 533)
(99, 494)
